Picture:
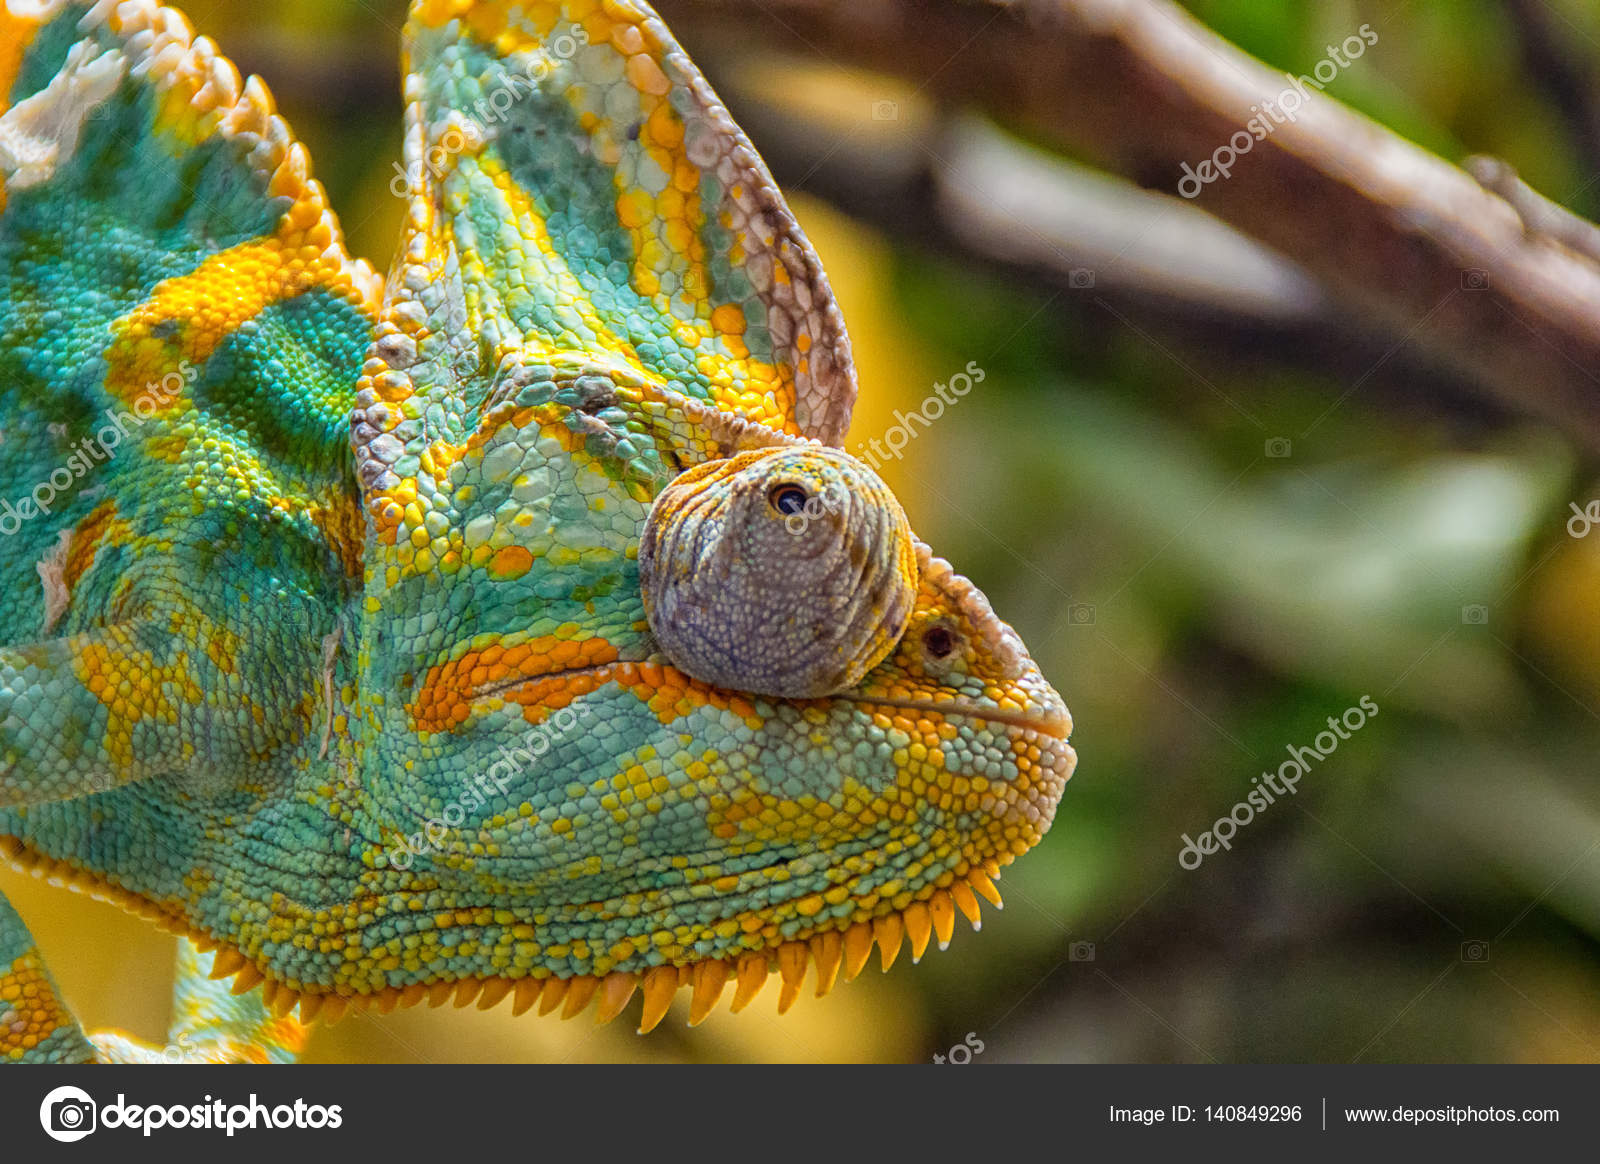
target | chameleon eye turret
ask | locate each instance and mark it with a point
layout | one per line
(787, 572)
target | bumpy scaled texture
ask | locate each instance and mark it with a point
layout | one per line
(778, 571)
(323, 639)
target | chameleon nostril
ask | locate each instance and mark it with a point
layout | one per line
(938, 641)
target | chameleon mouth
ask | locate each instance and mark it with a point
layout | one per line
(835, 954)
(1054, 722)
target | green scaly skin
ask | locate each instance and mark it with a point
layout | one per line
(330, 649)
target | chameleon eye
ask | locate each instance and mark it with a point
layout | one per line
(789, 500)
(735, 600)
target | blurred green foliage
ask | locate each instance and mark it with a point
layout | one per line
(1203, 605)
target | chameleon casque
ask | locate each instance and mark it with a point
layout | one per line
(511, 626)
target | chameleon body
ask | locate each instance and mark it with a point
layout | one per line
(326, 639)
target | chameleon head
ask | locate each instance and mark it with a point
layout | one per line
(784, 572)
(656, 686)
(762, 724)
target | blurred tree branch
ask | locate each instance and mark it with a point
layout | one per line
(1140, 87)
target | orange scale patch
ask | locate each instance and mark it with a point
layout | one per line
(671, 695)
(447, 693)
(548, 416)
(25, 993)
(437, 458)
(16, 35)
(342, 526)
(222, 648)
(99, 526)
(510, 562)
(388, 510)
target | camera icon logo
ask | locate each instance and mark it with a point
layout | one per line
(1080, 952)
(1080, 278)
(1475, 951)
(885, 111)
(1080, 613)
(1475, 615)
(1474, 279)
(1279, 447)
(68, 1114)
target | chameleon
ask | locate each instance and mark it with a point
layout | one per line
(511, 625)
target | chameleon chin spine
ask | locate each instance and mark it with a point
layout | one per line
(832, 953)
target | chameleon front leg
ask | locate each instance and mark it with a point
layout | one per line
(209, 1024)
(35, 1026)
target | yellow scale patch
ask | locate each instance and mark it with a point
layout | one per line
(134, 686)
(210, 303)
